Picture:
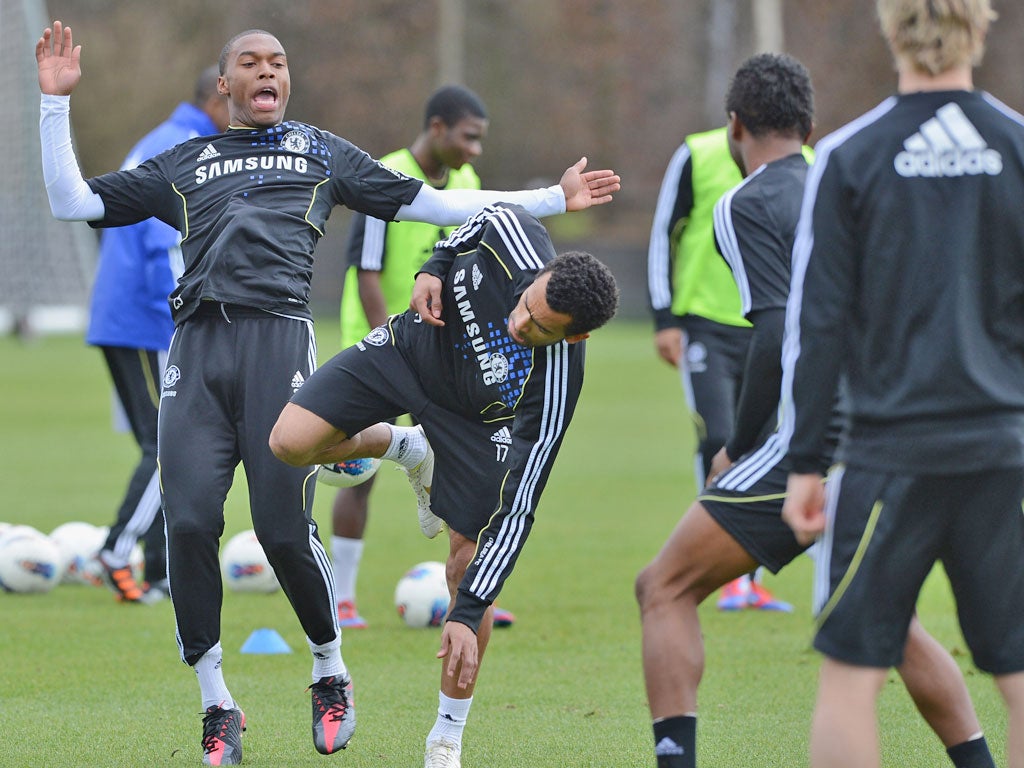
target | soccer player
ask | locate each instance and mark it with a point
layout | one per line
(907, 284)
(490, 364)
(699, 325)
(735, 524)
(384, 258)
(130, 322)
(251, 204)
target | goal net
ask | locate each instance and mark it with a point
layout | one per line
(46, 266)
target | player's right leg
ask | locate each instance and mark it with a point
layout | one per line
(198, 456)
(844, 732)
(1012, 688)
(698, 558)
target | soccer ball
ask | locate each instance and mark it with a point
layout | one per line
(245, 566)
(29, 561)
(78, 544)
(345, 474)
(421, 596)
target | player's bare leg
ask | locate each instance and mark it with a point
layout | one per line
(460, 554)
(936, 684)
(844, 732)
(1012, 689)
(444, 742)
(698, 558)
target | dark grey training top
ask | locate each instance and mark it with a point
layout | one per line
(908, 276)
(251, 206)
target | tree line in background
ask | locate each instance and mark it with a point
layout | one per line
(619, 80)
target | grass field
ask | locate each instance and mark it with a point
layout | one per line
(88, 682)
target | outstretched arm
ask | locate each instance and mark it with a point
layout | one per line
(576, 190)
(59, 61)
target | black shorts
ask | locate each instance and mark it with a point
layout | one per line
(372, 382)
(747, 502)
(885, 533)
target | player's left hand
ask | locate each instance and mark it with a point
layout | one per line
(719, 464)
(583, 190)
(458, 644)
(426, 298)
(804, 508)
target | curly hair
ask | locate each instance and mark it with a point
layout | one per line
(936, 35)
(583, 288)
(772, 93)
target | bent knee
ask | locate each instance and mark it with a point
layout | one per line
(296, 437)
(647, 586)
(285, 445)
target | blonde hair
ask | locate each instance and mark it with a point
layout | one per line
(936, 35)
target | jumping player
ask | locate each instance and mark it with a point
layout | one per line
(251, 204)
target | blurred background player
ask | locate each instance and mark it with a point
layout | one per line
(383, 259)
(699, 326)
(130, 322)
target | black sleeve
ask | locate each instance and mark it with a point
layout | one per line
(354, 242)
(136, 194)
(821, 307)
(762, 382)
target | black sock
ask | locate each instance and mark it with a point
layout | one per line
(675, 742)
(971, 754)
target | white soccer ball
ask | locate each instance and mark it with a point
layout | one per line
(421, 596)
(29, 561)
(78, 544)
(245, 566)
(345, 474)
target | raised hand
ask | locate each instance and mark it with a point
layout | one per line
(59, 61)
(583, 190)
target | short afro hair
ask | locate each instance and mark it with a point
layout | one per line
(583, 288)
(772, 93)
(452, 103)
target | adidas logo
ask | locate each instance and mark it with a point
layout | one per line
(502, 436)
(948, 145)
(668, 747)
(478, 276)
(297, 380)
(207, 154)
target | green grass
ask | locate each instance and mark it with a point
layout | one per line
(87, 682)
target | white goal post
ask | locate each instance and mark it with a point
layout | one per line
(46, 266)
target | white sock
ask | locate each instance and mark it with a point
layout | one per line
(408, 446)
(346, 554)
(212, 687)
(451, 719)
(327, 661)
